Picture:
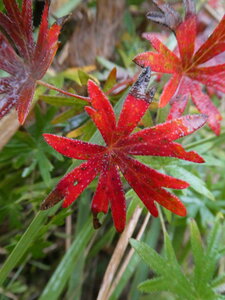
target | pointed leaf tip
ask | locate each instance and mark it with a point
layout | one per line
(140, 88)
(181, 211)
(21, 118)
(61, 21)
(91, 83)
(92, 87)
(48, 138)
(195, 121)
(53, 198)
(189, 7)
(166, 15)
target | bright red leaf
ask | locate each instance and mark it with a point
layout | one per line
(23, 59)
(116, 156)
(190, 68)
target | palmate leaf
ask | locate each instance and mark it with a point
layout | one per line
(106, 161)
(178, 283)
(25, 61)
(205, 261)
(198, 285)
(187, 70)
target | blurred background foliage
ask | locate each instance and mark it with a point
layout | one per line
(56, 254)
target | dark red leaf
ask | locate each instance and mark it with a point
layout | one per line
(32, 60)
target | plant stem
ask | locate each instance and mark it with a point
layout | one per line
(118, 255)
(121, 84)
(52, 87)
(205, 140)
(161, 219)
(128, 257)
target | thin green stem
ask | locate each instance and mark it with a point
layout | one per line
(161, 219)
(22, 246)
(203, 141)
(52, 87)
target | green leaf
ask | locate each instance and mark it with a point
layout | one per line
(198, 252)
(169, 251)
(45, 167)
(218, 281)
(150, 256)
(67, 8)
(110, 81)
(195, 182)
(158, 284)
(59, 101)
(67, 115)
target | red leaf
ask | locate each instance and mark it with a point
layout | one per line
(216, 81)
(102, 112)
(147, 175)
(166, 132)
(32, 60)
(135, 105)
(157, 61)
(169, 201)
(117, 199)
(120, 145)
(187, 66)
(162, 149)
(8, 58)
(186, 35)
(27, 17)
(18, 27)
(73, 148)
(178, 106)
(174, 61)
(100, 201)
(213, 46)
(73, 184)
(24, 99)
(205, 106)
(169, 89)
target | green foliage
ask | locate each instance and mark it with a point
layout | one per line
(203, 282)
(28, 150)
(35, 261)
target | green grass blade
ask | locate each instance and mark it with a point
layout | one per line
(67, 264)
(22, 246)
